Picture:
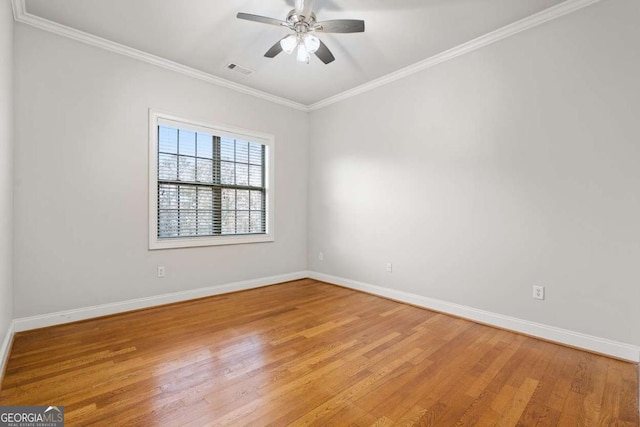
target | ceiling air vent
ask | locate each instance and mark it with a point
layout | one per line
(239, 69)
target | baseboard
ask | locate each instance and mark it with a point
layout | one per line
(562, 336)
(5, 349)
(51, 319)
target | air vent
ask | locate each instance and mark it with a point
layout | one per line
(239, 69)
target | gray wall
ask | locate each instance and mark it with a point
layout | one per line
(81, 178)
(511, 166)
(507, 167)
(6, 167)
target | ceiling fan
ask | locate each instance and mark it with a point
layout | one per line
(303, 22)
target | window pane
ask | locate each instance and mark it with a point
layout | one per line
(242, 222)
(167, 167)
(242, 151)
(205, 198)
(255, 153)
(256, 225)
(228, 199)
(168, 223)
(188, 223)
(168, 196)
(188, 198)
(242, 174)
(187, 142)
(227, 149)
(228, 222)
(255, 176)
(227, 172)
(204, 170)
(205, 223)
(242, 200)
(167, 140)
(256, 201)
(204, 146)
(187, 169)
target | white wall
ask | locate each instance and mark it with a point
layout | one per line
(81, 178)
(6, 168)
(515, 165)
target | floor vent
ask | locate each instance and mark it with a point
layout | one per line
(239, 69)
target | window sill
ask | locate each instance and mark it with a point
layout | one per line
(192, 242)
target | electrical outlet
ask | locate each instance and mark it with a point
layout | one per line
(389, 267)
(538, 292)
(160, 271)
(321, 256)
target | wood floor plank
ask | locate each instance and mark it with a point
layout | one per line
(310, 353)
(400, 396)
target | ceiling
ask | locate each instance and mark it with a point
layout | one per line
(205, 35)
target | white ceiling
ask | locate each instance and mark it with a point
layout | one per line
(205, 35)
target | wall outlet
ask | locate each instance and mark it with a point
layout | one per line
(389, 267)
(160, 271)
(538, 292)
(321, 256)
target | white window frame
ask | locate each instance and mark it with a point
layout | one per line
(156, 118)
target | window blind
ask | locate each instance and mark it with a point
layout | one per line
(209, 185)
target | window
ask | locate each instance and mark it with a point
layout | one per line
(209, 185)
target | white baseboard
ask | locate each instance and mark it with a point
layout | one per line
(67, 316)
(562, 336)
(5, 349)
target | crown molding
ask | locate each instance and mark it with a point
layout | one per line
(21, 15)
(564, 8)
(19, 8)
(568, 6)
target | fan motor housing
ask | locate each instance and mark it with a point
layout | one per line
(294, 20)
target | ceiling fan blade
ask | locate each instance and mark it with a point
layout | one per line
(261, 19)
(341, 26)
(324, 53)
(275, 49)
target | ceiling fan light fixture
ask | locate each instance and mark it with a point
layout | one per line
(303, 54)
(311, 43)
(289, 43)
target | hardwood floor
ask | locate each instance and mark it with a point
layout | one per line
(306, 352)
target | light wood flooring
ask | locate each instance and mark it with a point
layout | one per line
(306, 352)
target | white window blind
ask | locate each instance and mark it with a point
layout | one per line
(209, 183)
